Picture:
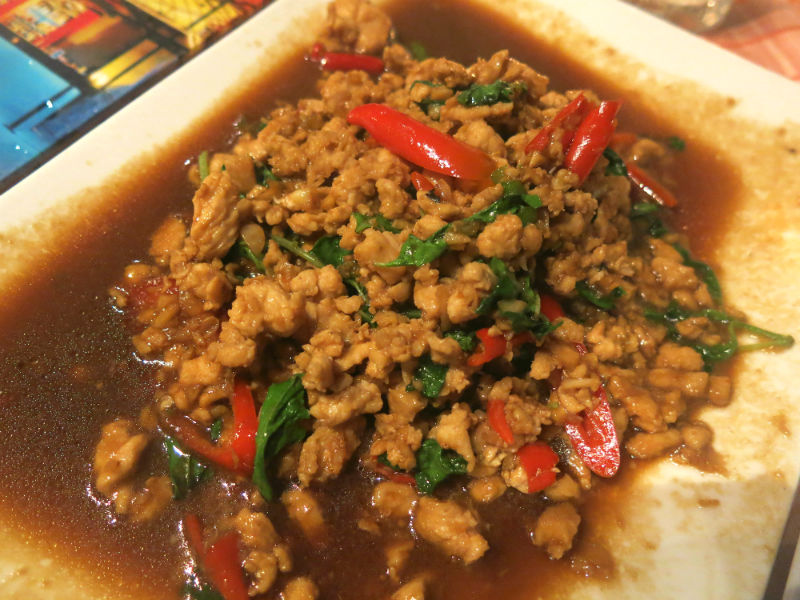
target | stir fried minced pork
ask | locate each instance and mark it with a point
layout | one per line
(334, 302)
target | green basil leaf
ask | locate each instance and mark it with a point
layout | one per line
(416, 252)
(705, 272)
(485, 95)
(199, 591)
(241, 251)
(328, 251)
(616, 166)
(202, 165)
(418, 51)
(466, 339)
(278, 426)
(676, 143)
(431, 375)
(435, 465)
(185, 471)
(506, 287)
(264, 175)
(514, 200)
(606, 302)
(377, 221)
(641, 209)
(295, 248)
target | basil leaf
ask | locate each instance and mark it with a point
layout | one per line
(485, 95)
(616, 166)
(641, 209)
(416, 252)
(198, 591)
(606, 302)
(515, 199)
(506, 287)
(241, 251)
(278, 426)
(676, 143)
(705, 272)
(215, 431)
(327, 250)
(295, 248)
(418, 51)
(202, 165)
(431, 375)
(435, 465)
(364, 312)
(377, 221)
(264, 175)
(466, 339)
(185, 471)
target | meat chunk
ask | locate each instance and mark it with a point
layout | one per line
(304, 510)
(356, 25)
(394, 500)
(452, 432)
(334, 409)
(450, 527)
(502, 238)
(117, 455)
(215, 224)
(555, 529)
(300, 588)
(267, 555)
(413, 590)
(326, 451)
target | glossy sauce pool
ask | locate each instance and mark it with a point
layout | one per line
(68, 368)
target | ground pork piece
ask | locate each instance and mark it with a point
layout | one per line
(300, 588)
(565, 488)
(405, 403)
(327, 450)
(452, 432)
(394, 500)
(200, 371)
(398, 439)
(303, 509)
(413, 590)
(472, 283)
(380, 247)
(450, 527)
(208, 283)
(167, 239)
(555, 529)
(397, 553)
(148, 502)
(675, 356)
(261, 305)
(486, 489)
(363, 397)
(117, 454)
(215, 224)
(239, 167)
(719, 390)
(696, 436)
(638, 403)
(481, 135)
(439, 70)
(356, 25)
(266, 554)
(690, 383)
(649, 445)
(501, 238)
(501, 66)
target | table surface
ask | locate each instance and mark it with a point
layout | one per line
(766, 32)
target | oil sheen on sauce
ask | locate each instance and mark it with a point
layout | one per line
(68, 368)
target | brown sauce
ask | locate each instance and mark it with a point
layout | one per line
(67, 367)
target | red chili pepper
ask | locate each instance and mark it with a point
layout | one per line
(591, 139)
(538, 459)
(620, 139)
(396, 476)
(578, 107)
(492, 347)
(650, 186)
(194, 439)
(420, 144)
(245, 424)
(220, 560)
(595, 438)
(224, 568)
(344, 61)
(551, 308)
(496, 411)
(420, 182)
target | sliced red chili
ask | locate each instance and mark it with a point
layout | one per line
(551, 308)
(193, 438)
(345, 61)
(591, 138)
(496, 413)
(245, 424)
(577, 107)
(193, 531)
(224, 567)
(538, 460)
(420, 144)
(650, 187)
(492, 346)
(420, 182)
(595, 437)
(396, 476)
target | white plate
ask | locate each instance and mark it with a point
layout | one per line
(667, 546)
